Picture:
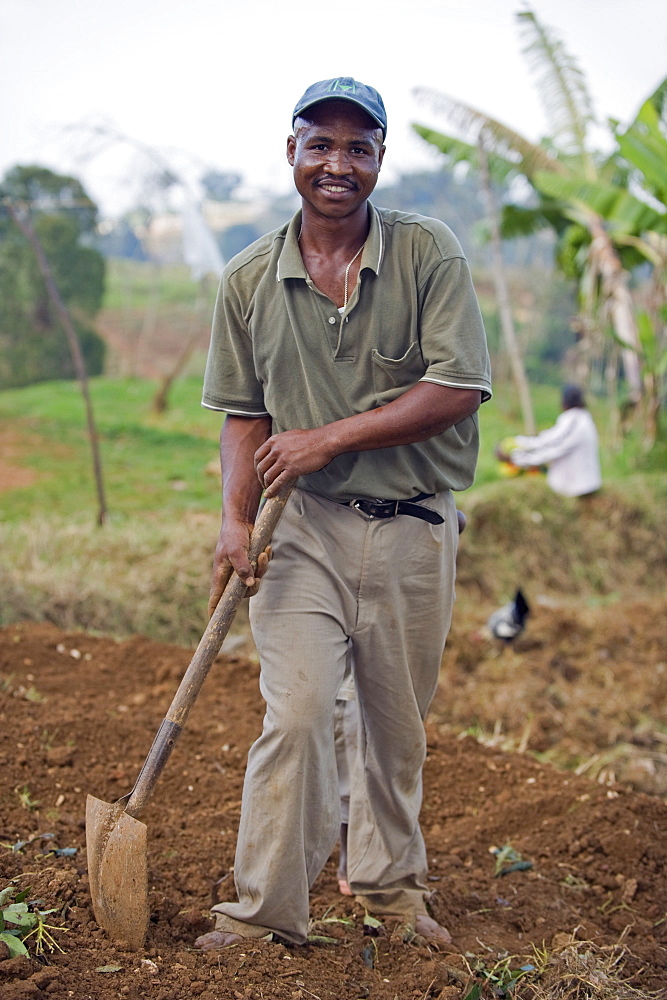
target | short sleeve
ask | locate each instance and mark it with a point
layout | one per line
(453, 342)
(230, 381)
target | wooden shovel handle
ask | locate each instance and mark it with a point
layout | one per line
(204, 656)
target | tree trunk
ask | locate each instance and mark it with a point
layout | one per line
(22, 220)
(161, 397)
(502, 295)
(149, 323)
(619, 303)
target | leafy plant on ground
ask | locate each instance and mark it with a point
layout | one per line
(314, 937)
(501, 977)
(25, 798)
(509, 860)
(21, 922)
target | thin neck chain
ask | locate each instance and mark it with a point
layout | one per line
(347, 269)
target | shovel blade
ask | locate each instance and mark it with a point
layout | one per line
(118, 871)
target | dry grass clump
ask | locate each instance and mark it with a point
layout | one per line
(571, 969)
(140, 578)
(582, 970)
(521, 533)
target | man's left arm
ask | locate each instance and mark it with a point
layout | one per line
(455, 381)
(423, 411)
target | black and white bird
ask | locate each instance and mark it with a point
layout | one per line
(509, 621)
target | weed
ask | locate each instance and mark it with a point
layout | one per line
(540, 958)
(371, 924)
(314, 937)
(47, 740)
(321, 939)
(326, 919)
(21, 922)
(26, 799)
(32, 694)
(502, 977)
(574, 882)
(509, 860)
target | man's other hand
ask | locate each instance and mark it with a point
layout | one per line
(290, 454)
(231, 555)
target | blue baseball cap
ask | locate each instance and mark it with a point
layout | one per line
(344, 88)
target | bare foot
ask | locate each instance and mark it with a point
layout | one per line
(344, 887)
(431, 930)
(215, 940)
(343, 884)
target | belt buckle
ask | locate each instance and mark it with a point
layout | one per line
(355, 506)
(376, 500)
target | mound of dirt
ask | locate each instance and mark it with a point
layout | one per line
(584, 686)
(78, 714)
(521, 532)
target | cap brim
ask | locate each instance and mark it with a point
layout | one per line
(340, 97)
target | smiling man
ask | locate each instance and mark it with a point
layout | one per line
(348, 353)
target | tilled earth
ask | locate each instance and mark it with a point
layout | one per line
(78, 714)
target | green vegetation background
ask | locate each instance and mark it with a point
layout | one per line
(147, 570)
(160, 465)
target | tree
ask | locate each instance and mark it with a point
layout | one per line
(21, 217)
(635, 216)
(559, 170)
(33, 344)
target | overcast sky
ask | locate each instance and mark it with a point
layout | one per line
(212, 84)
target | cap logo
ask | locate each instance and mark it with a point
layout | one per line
(351, 88)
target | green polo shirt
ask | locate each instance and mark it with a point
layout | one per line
(280, 347)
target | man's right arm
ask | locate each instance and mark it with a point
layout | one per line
(241, 492)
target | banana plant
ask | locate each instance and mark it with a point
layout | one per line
(575, 185)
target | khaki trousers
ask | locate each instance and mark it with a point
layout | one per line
(383, 591)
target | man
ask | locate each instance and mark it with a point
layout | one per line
(349, 355)
(569, 449)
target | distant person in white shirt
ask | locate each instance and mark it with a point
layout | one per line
(569, 449)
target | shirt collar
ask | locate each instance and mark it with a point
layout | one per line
(374, 249)
(290, 261)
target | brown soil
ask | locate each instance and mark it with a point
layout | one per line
(78, 713)
(13, 446)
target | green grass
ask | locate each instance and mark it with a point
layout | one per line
(160, 464)
(150, 462)
(134, 284)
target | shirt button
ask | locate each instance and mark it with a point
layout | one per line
(332, 319)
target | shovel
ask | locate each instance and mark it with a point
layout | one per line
(116, 839)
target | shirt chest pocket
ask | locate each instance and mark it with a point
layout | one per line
(392, 376)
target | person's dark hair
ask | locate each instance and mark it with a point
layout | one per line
(572, 396)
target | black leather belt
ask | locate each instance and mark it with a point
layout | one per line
(390, 508)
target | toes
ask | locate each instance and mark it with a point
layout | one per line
(344, 887)
(215, 940)
(432, 931)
